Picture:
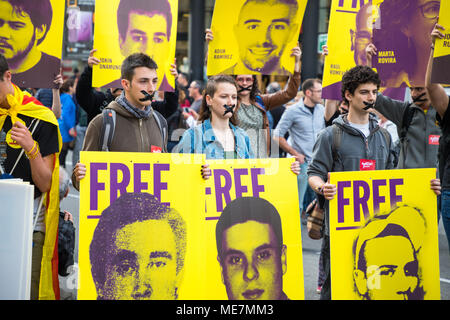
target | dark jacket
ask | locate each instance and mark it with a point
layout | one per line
(93, 101)
(354, 146)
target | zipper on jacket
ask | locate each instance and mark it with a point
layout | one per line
(142, 138)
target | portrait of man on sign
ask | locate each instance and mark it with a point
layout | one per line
(250, 250)
(387, 266)
(262, 30)
(24, 25)
(138, 250)
(146, 27)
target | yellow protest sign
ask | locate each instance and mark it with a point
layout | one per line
(254, 37)
(253, 236)
(32, 40)
(383, 235)
(349, 32)
(441, 56)
(141, 226)
(124, 27)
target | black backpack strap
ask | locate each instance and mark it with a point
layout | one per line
(408, 115)
(109, 124)
(337, 137)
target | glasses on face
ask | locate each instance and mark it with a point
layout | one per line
(430, 10)
(319, 90)
(244, 79)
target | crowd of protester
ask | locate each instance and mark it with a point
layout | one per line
(246, 121)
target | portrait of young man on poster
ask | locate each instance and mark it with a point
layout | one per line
(262, 31)
(146, 27)
(138, 250)
(387, 266)
(250, 250)
(24, 25)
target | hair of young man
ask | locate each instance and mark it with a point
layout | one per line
(308, 84)
(244, 209)
(40, 12)
(3, 66)
(65, 87)
(144, 7)
(134, 61)
(293, 5)
(128, 209)
(355, 77)
(210, 90)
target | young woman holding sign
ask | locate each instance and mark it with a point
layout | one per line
(217, 135)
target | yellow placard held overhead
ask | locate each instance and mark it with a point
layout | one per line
(124, 27)
(254, 37)
(441, 57)
(349, 32)
(141, 227)
(383, 236)
(253, 236)
(32, 40)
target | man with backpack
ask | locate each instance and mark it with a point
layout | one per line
(354, 142)
(416, 125)
(133, 124)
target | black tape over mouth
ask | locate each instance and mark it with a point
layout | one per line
(368, 105)
(147, 96)
(419, 98)
(242, 89)
(229, 109)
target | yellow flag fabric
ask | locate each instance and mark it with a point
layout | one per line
(383, 235)
(23, 103)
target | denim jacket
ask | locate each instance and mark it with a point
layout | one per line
(201, 139)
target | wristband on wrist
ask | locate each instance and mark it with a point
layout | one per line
(319, 190)
(33, 153)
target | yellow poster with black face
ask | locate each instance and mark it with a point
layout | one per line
(349, 33)
(253, 237)
(124, 27)
(141, 227)
(254, 37)
(441, 57)
(383, 236)
(31, 39)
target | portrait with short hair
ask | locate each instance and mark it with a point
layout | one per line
(254, 36)
(140, 228)
(250, 250)
(384, 235)
(138, 249)
(31, 36)
(253, 239)
(124, 27)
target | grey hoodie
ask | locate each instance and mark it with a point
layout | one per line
(354, 146)
(420, 148)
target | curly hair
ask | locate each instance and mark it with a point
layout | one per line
(356, 76)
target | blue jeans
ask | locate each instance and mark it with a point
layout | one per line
(304, 190)
(445, 212)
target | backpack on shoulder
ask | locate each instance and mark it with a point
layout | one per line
(109, 125)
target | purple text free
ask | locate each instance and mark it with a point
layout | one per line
(139, 169)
